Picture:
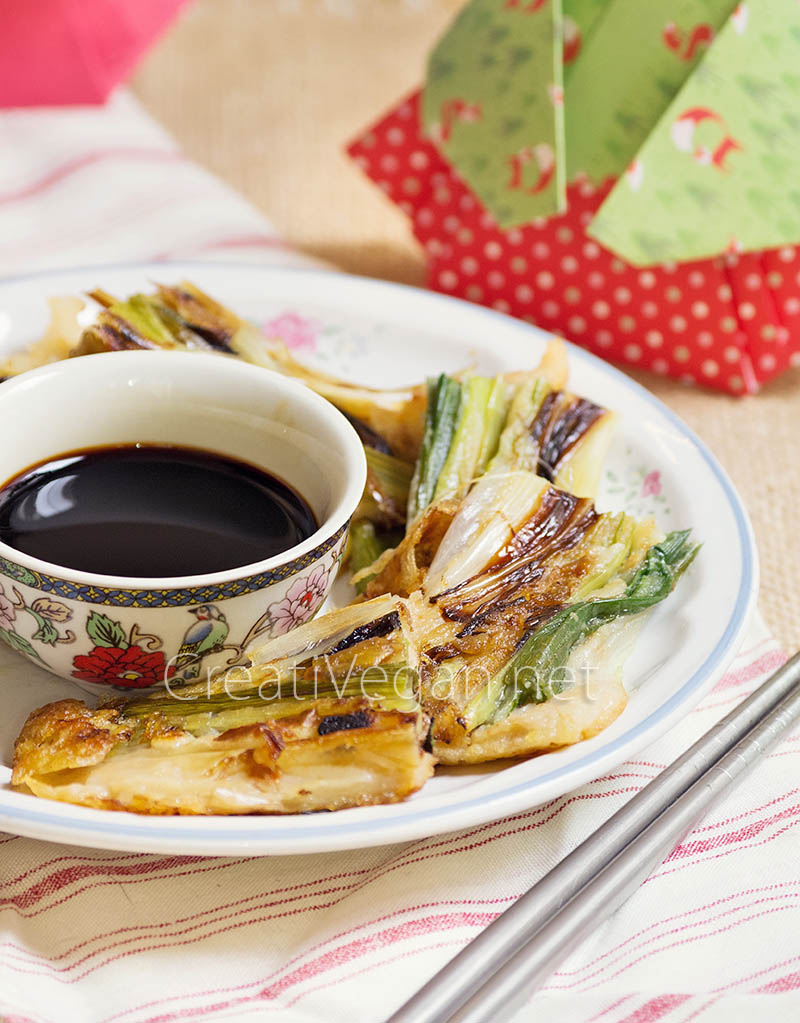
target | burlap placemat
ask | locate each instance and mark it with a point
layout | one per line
(265, 94)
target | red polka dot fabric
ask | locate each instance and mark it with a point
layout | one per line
(731, 323)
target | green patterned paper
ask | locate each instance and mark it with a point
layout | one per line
(638, 55)
(580, 18)
(721, 169)
(493, 103)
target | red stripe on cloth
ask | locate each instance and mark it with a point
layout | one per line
(244, 241)
(752, 830)
(764, 664)
(693, 912)
(368, 874)
(745, 813)
(610, 1008)
(605, 976)
(30, 958)
(65, 170)
(655, 1009)
(791, 982)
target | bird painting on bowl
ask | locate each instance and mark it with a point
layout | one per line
(204, 636)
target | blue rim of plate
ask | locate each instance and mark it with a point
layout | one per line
(745, 600)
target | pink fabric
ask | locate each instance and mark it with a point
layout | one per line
(61, 52)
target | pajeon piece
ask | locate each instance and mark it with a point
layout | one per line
(330, 723)
(498, 603)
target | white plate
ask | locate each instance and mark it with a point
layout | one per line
(385, 334)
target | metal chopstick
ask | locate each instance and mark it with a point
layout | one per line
(537, 910)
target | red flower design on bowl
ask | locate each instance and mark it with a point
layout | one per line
(132, 667)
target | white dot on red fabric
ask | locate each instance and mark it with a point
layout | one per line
(591, 250)
(474, 293)
(448, 279)
(425, 216)
(395, 136)
(493, 250)
(541, 250)
(569, 264)
(747, 310)
(501, 305)
(681, 353)
(410, 186)
(362, 162)
(647, 279)
(794, 359)
(731, 259)
(622, 296)
(551, 309)
(406, 207)
(678, 324)
(405, 111)
(728, 324)
(469, 265)
(586, 218)
(633, 352)
(466, 202)
(495, 279)
(660, 366)
(673, 294)
(586, 189)
(709, 368)
(775, 278)
(576, 324)
(732, 353)
(418, 160)
(627, 324)
(385, 186)
(650, 310)
(724, 293)
(451, 224)
(654, 339)
(368, 140)
(465, 236)
(539, 223)
(564, 234)
(767, 361)
(604, 338)
(752, 282)
(786, 254)
(545, 279)
(487, 221)
(436, 248)
(736, 383)
(792, 305)
(572, 295)
(705, 338)
(697, 278)
(515, 236)
(782, 334)
(596, 279)
(442, 196)
(699, 310)
(767, 332)
(601, 309)
(617, 266)
(519, 265)
(389, 163)
(523, 292)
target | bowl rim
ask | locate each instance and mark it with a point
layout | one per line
(330, 529)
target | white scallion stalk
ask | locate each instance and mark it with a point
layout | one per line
(493, 510)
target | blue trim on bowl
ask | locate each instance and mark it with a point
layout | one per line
(745, 599)
(181, 596)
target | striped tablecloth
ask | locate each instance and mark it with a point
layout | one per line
(98, 937)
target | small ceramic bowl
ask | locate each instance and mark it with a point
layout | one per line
(102, 631)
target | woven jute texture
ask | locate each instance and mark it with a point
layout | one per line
(266, 92)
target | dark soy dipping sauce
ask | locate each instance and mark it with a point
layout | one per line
(150, 511)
